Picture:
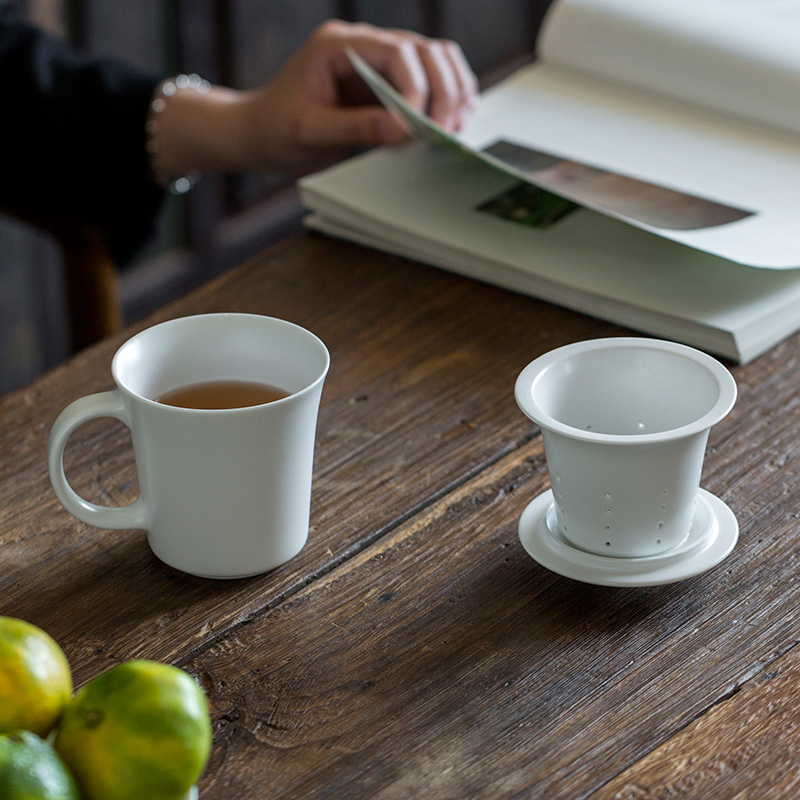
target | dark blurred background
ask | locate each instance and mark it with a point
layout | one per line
(239, 43)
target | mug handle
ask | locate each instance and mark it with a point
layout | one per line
(104, 404)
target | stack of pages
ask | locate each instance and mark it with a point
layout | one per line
(646, 171)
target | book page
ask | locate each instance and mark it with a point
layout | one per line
(645, 137)
(737, 56)
(612, 193)
(671, 144)
(439, 207)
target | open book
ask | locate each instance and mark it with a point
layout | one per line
(646, 170)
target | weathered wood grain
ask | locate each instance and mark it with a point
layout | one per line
(746, 747)
(419, 394)
(413, 648)
(442, 662)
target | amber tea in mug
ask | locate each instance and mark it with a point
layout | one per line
(225, 472)
(210, 395)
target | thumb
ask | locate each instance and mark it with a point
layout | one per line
(362, 126)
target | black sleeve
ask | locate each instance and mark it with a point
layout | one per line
(72, 133)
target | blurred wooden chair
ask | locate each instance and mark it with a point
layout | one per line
(91, 280)
(90, 277)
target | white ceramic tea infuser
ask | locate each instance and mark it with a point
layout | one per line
(625, 423)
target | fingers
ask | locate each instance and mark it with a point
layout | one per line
(364, 126)
(318, 105)
(432, 74)
(453, 87)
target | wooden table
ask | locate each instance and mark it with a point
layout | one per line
(413, 649)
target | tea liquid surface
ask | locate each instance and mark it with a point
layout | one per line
(222, 394)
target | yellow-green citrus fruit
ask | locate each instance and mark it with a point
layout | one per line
(35, 678)
(30, 769)
(140, 731)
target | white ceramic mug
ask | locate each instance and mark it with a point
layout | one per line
(224, 493)
(625, 423)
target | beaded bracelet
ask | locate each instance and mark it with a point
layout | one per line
(163, 92)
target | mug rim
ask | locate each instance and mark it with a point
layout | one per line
(527, 379)
(139, 397)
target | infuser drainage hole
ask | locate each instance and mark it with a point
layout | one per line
(608, 544)
(660, 524)
(658, 541)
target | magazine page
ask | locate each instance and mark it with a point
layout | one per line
(682, 147)
(432, 201)
(733, 181)
(623, 196)
(736, 56)
(626, 197)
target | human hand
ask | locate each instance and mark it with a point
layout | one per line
(317, 107)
